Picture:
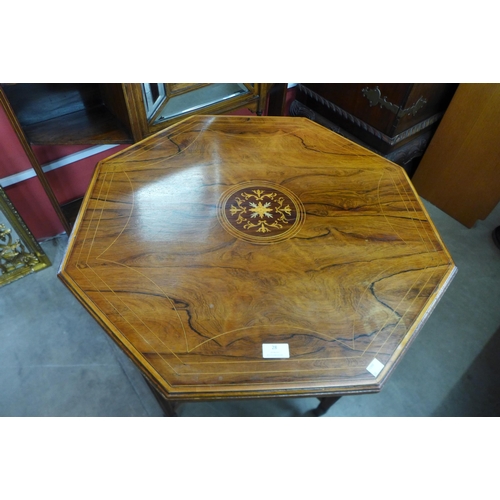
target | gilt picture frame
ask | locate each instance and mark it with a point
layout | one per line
(20, 253)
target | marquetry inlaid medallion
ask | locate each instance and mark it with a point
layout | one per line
(261, 212)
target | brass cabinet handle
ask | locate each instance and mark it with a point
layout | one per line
(375, 98)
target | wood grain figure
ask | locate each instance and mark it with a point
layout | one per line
(199, 244)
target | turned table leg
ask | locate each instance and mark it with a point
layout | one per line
(324, 405)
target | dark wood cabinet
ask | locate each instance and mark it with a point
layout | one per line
(396, 120)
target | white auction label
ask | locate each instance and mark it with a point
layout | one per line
(275, 351)
(375, 367)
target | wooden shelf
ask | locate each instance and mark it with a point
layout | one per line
(70, 113)
(88, 126)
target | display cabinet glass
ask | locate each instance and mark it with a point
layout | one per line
(158, 105)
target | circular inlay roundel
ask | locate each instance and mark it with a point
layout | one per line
(260, 212)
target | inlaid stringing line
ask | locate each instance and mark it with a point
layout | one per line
(408, 211)
(382, 209)
(130, 324)
(209, 362)
(173, 306)
(133, 269)
(89, 222)
(104, 202)
(364, 352)
(92, 284)
(265, 326)
(97, 289)
(385, 271)
(206, 129)
(128, 220)
(362, 295)
(246, 372)
(409, 307)
(336, 367)
(422, 223)
(154, 163)
(387, 320)
(161, 291)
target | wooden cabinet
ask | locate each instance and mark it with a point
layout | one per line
(118, 113)
(71, 113)
(396, 120)
(112, 113)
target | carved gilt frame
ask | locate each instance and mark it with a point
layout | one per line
(20, 253)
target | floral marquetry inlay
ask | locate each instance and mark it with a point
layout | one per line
(261, 212)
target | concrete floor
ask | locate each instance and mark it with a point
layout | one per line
(55, 360)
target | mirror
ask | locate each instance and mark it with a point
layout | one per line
(164, 101)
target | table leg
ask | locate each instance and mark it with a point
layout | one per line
(169, 408)
(324, 405)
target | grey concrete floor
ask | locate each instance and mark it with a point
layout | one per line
(55, 360)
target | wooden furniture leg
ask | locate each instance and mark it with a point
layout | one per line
(324, 405)
(277, 99)
(169, 408)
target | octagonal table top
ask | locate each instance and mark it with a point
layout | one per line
(256, 257)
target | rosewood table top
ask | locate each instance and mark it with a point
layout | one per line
(256, 257)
